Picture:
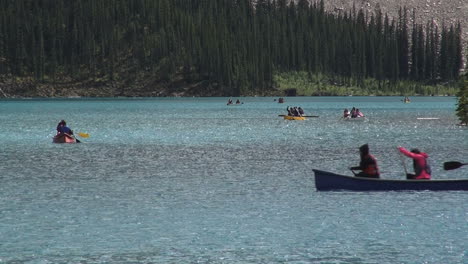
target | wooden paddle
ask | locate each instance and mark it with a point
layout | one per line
(403, 161)
(301, 116)
(451, 165)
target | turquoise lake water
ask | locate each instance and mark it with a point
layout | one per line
(191, 180)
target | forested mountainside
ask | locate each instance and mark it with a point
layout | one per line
(219, 48)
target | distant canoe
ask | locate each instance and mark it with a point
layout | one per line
(328, 181)
(294, 117)
(354, 119)
(64, 138)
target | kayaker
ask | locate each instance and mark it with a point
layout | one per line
(229, 101)
(63, 129)
(353, 113)
(290, 111)
(346, 113)
(296, 111)
(301, 111)
(367, 165)
(238, 101)
(421, 167)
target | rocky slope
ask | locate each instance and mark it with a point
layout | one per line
(438, 11)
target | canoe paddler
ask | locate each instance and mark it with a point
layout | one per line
(422, 170)
(367, 165)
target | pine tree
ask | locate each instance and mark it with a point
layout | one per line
(443, 55)
(403, 45)
(457, 51)
(414, 50)
(462, 104)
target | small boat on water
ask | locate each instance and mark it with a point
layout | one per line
(286, 117)
(328, 181)
(64, 138)
(354, 119)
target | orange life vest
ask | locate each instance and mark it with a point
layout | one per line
(371, 169)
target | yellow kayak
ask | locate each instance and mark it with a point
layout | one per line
(294, 117)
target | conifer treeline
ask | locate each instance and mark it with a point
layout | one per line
(239, 44)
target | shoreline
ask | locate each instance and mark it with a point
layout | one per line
(29, 88)
(241, 96)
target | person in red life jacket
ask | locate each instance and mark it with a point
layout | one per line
(368, 164)
(421, 167)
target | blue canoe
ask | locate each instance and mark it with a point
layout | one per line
(328, 181)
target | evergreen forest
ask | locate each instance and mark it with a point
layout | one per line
(226, 47)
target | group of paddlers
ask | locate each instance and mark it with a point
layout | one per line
(230, 101)
(295, 111)
(369, 168)
(354, 113)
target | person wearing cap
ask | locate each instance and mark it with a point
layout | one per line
(421, 167)
(367, 165)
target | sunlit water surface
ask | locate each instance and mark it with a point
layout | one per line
(195, 181)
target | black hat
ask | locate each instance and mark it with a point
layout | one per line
(415, 150)
(364, 148)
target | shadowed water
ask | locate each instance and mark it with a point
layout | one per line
(192, 180)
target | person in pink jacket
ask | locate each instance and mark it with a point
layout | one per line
(421, 166)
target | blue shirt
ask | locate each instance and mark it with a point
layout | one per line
(65, 129)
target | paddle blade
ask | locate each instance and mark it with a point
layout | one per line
(451, 165)
(83, 135)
